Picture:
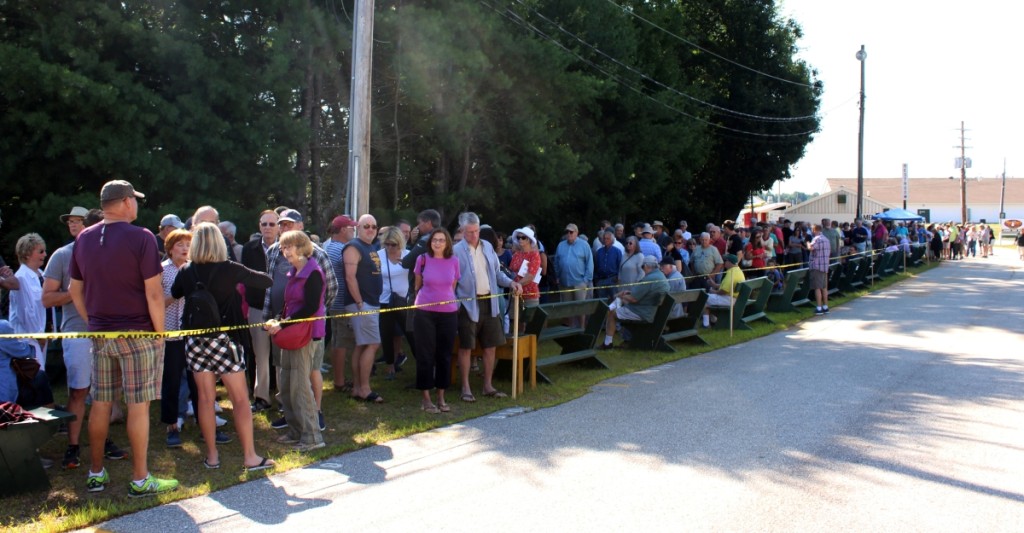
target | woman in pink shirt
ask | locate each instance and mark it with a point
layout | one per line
(436, 320)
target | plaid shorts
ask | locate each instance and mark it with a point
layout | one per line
(135, 365)
(217, 354)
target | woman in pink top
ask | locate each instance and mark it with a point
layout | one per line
(436, 321)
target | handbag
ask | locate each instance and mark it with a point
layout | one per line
(294, 336)
(25, 368)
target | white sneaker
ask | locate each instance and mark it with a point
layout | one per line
(181, 423)
(217, 408)
(188, 410)
(220, 421)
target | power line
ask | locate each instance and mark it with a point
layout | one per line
(716, 107)
(706, 51)
(515, 18)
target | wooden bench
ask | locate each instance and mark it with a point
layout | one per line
(793, 294)
(657, 335)
(850, 281)
(917, 252)
(835, 274)
(578, 343)
(749, 305)
(20, 467)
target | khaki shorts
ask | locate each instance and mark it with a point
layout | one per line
(134, 365)
(488, 331)
(819, 279)
(342, 335)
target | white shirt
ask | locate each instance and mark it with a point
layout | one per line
(395, 278)
(27, 312)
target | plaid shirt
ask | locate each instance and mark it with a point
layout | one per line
(274, 254)
(820, 250)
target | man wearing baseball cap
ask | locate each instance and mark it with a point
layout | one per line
(116, 286)
(169, 223)
(574, 265)
(342, 231)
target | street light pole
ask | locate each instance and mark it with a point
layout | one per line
(861, 56)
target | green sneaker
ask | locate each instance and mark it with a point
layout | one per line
(96, 483)
(151, 486)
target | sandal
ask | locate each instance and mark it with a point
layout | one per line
(264, 464)
(496, 394)
(444, 408)
(467, 397)
(432, 409)
(373, 397)
(347, 387)
(210, 466)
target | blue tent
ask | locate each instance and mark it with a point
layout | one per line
(898, 214)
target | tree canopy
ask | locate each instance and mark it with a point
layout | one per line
(522, 110)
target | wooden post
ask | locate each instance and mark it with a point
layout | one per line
(515, 345)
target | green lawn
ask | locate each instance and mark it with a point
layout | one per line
(351, 425)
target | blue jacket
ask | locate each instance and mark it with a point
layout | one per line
(10, 348)
(466, 290)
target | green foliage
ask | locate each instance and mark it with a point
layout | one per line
(524, 111)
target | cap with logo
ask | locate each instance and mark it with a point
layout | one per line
(290, 215)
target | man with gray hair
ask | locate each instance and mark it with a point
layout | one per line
(706, 262)
(477, 292)
(638, 304)
(228, 230)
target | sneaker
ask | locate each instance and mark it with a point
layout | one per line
(287, 439)
(97, 482)
(818, 311)
(608, 346)
(309, 447)
(47, 463)
(217, 408)
(71, 459)
(220, 421)
(112, 452)
(400, 360)
(219, 438)
(174, 438)
(260, 405)
(280, 423)
(189, 411)
(151, 486)
(824, 310)
(181, 423)
(320, 417)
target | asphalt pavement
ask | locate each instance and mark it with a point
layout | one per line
(900, 411)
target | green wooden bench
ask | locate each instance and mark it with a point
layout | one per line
(657, 335)
(884, 266)
(750, 304)
(875, 262)
(578, 344)
(20, 467)
(850, 281)
(835, 274)
(793, 294)
(917, 252)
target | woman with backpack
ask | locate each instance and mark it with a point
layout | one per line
(208, 285)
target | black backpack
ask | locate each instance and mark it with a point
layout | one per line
(201, 309)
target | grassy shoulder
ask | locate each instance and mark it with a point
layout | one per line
(351, 425)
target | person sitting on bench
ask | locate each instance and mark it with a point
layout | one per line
(639, 304)
(724, 294)
(28, 395)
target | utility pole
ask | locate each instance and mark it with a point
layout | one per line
(358, 201)
(1002, 195)
(963, 175)
(861, 56)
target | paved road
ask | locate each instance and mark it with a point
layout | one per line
(901, 411)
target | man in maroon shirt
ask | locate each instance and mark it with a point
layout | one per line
(115, 286)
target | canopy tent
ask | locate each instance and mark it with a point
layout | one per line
(898, 214)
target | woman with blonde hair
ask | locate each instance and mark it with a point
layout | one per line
(27, 313)
(303, 298)
(393, 296)
(220, 353)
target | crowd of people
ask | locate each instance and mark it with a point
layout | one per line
(285, 307)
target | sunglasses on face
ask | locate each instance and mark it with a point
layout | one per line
(439, 241)
(523, 238)
(369, 226)
(268, 224)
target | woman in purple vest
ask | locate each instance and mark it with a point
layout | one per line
(303, 298)
(436, 321)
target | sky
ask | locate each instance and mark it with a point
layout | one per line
(929, 66)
